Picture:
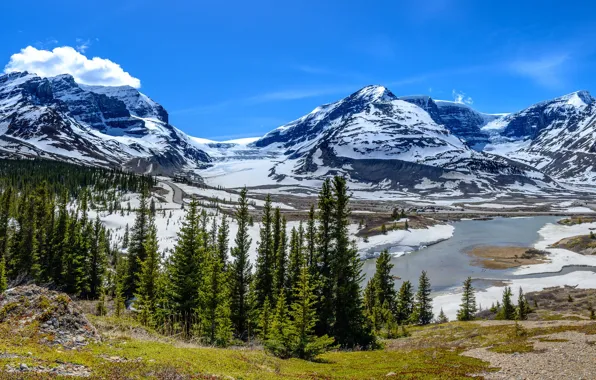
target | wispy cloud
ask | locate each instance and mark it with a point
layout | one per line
(547, 71)
(82, 45)
(377, 46)
(461, 98)
(267, 97)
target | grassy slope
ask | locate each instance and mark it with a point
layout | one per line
(431, 352)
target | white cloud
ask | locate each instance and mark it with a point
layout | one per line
(547, 71)
(461, 98)
(66, 60)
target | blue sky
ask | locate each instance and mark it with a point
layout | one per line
(229, 69)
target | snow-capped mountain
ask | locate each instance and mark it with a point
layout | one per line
(556, 136)
(460, 119)
(373, 137)
(109, 126)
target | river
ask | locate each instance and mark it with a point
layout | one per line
(447, 263)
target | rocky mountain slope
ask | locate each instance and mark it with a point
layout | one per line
(379, 140)
(556, 136)
(375, 138)
(109, 126)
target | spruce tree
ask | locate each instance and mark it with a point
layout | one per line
(147, 289)
(5, 201)
(522, 306)
(214, 308)
(136, 247)
(240, 276)
(185, 268)
(281, 257)
(264, 322)
(279, 338)
(305, 344)
(507, 310)
(405, 303)
(311, 244)
(349, 323)
(467, 309)
(325, 309)
(264, 274)
(296, 262)
(384, 282)
(3, 280)
(97, 259)
(442, 318)
(423, 310)
(223, 237)
(125, 238)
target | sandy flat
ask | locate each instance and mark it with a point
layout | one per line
(496, 257)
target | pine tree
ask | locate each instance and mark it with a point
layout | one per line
(311, 243)
(325, 309)
(265, 319)
(97, 259)
(264, 274)
(522, 306)
(185, 268)
(296, 262)
(3, 280)
(423, 310)
(125, 238)
(305, 344)
(223, 234)
(240, 277)
(279, 338)
(349, 327)
(442, 317)
(405, 303)
(136, 246)
(384, 282)
(507, 310)
(147, 289)
(467, 309)
(281, 264)
(5, 202)
(23, 250)
(215, 305)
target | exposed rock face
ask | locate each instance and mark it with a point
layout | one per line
(109, 126)
(60, 321)
(374, 137)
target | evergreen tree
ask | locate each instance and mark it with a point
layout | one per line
(507, 310)
(240, 277)
(423, 310)
(380, 295)
(265, 319)
(136, 246)
(311, 244)
(349, 327)
(147, 289)
(215, 305)
(5, 202)
(405, 303)
(442, 317)
(3, 280)
(297, 261)
(523, 308)
(126, 237)
(305, 344)
(279, 338)
(467, 309)
(97, 259)
(185, 268)
(325, 310)
(23, 250)
(264, 274)
(281, 256)
(223, 234)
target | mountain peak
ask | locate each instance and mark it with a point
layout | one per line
(373, 93)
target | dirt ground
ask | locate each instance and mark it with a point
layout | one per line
(495, 257)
